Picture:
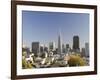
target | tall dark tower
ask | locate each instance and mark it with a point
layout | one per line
(35, 48)
(76, 44)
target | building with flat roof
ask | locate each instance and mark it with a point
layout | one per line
(76, 47)
(35, 48)
(87, 49)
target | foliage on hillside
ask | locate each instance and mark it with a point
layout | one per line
(26, 64)
(76, 60)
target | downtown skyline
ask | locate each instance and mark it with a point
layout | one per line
(44, 27)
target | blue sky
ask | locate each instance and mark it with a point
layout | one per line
(44, 27)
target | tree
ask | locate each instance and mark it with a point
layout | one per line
(26, 64)
(29, 65)
(76, 60)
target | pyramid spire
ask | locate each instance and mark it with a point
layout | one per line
(59, 43)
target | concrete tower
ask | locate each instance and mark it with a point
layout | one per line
(59, 45)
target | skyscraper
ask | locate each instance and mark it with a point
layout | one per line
(59, 45)
(67, 48)
(87, 49)
(76, 44)
(51, 46)
(63, 48)
(35, 48)
(45, 49)
(83, 52)
(41, 48)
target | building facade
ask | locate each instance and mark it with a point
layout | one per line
(35, 48)
(76, 47)
(51, 46)
(87, 49)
